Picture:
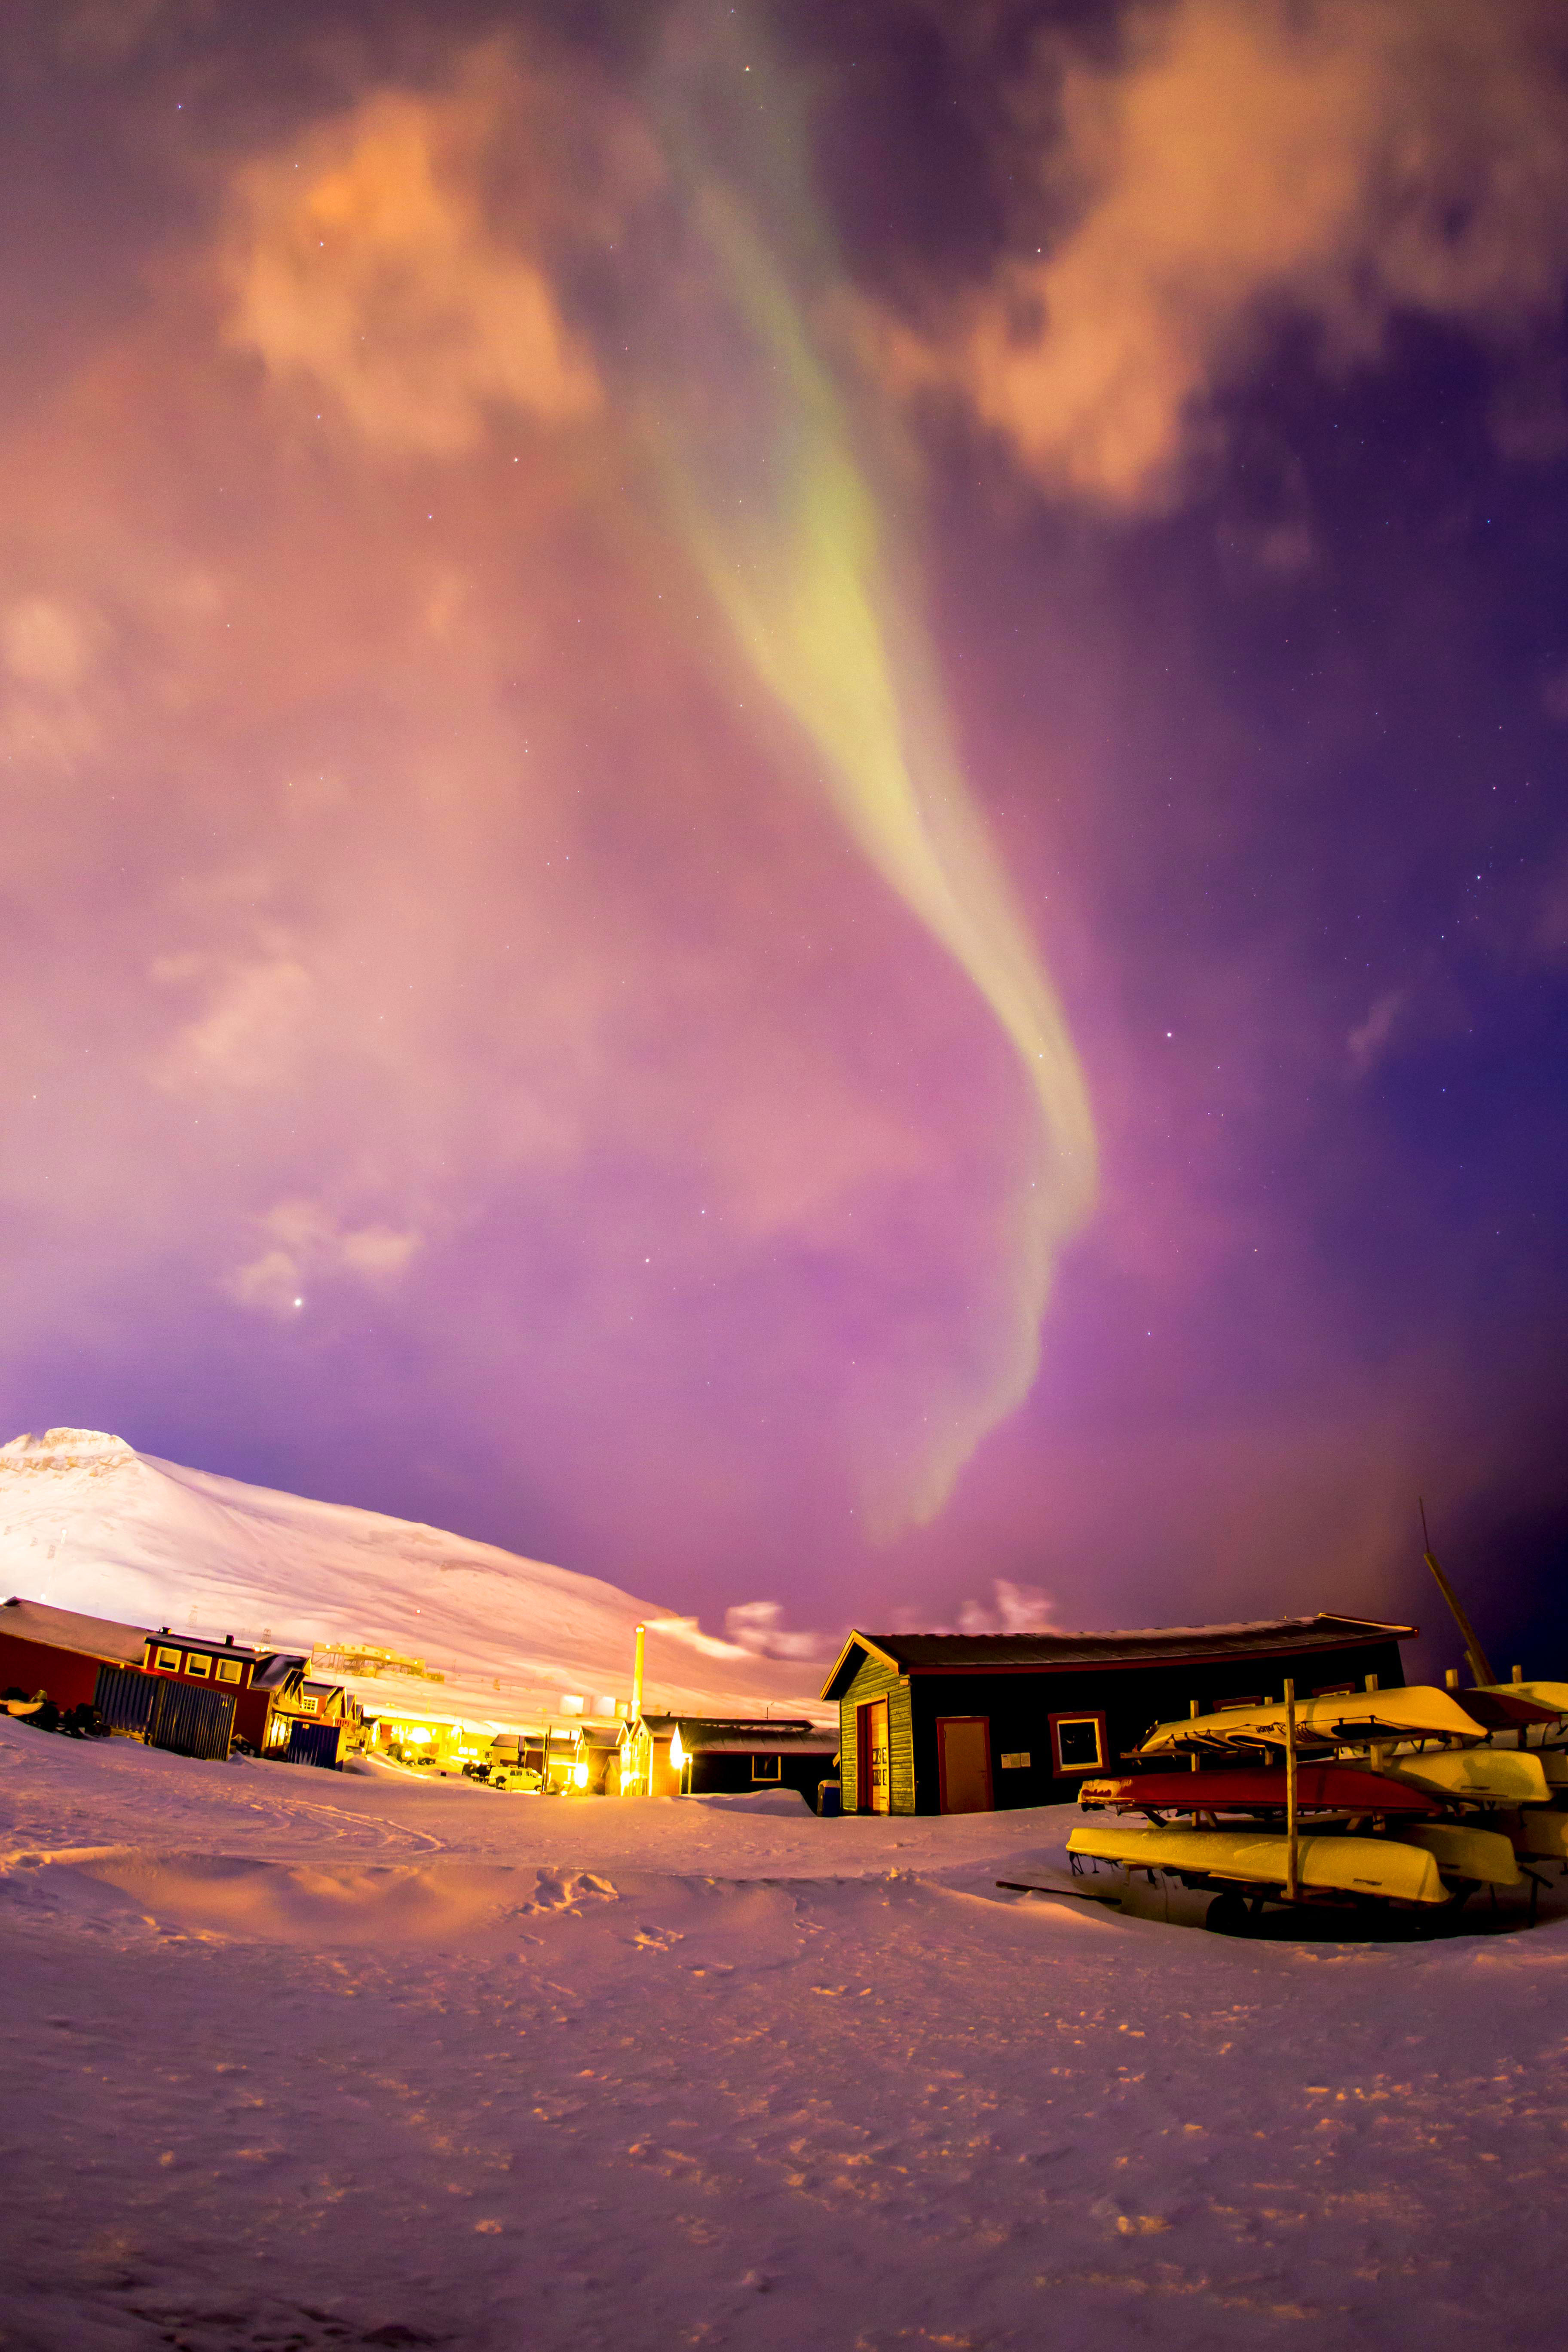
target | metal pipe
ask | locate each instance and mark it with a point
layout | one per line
(637, 1675)
(1479, 1665)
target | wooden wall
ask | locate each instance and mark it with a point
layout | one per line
(876, 1680)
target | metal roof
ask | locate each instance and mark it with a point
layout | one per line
(736, 1736)
(67, 1629)
(968, 1654)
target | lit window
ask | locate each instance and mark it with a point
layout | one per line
(168, 1661)
(229, 1669)
(767, 1768)
(198, 1662)
(1080, 1742)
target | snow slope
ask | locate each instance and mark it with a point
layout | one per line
(299, 2060)
(88, 1523)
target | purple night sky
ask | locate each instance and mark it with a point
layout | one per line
(784, 792)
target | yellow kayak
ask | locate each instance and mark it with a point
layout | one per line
(1486, 1775)
(1400, 1871)
(1463, 1852)
(1413, 1713)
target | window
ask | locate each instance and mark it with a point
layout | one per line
(767, 1768)
(167, 1662)
(306, 1706)
(229, 1669)
(1078, 1742)
(198, 1662)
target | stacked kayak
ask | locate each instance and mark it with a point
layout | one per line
(1413, 1797)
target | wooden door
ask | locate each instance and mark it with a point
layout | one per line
(963, 1763)
(874, 1757)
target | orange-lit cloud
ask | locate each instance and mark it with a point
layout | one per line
(1239, 161)
(363, 266)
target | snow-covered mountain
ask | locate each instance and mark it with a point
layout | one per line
(88, 1523)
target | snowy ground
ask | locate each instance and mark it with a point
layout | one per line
(307, 2060)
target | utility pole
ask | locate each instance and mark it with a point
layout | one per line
(1292, 1840)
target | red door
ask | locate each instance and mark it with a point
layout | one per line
(963, 1763)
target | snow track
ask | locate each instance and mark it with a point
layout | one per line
(650, 2074)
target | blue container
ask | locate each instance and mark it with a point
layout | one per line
(829, 1800)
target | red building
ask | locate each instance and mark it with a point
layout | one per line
(268, 1686)
(65, 1655)
(59, 1652)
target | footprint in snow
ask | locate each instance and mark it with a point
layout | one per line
(564, 1890)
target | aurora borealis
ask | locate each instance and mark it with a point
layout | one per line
(784, 790)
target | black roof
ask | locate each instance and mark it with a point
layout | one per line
(969, 1653)
(741, 1735)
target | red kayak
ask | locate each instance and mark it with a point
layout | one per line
(1320, 1789)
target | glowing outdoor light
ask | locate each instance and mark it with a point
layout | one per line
(580, 1776)
(677, 1753)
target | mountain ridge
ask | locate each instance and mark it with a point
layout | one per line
(88, 1522)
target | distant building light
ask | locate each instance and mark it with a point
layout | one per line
(580, 1776)
(677, 1753)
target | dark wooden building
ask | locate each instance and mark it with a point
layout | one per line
(714, 1755)
(954, 1723)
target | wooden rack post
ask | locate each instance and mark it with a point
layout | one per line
(1292, 1840)
(1193, 1717)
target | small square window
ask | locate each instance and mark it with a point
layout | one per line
(767, 1768)
(229, 1669)
(1080, 1742)
(168, 1661)
(198, 1662)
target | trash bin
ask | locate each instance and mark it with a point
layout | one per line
(829, 1800)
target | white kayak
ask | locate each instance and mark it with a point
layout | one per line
(1460, 1852)
(1482, 1776)
(1549, 1695)
(1543, 1831)
(1397, 1870)
(1349, 1719)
